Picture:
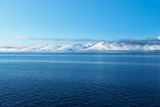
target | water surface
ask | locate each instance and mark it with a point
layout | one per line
(79, 80)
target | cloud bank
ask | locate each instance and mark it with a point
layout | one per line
(102, 46)
(55, 39)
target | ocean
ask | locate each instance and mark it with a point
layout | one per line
(79, 80)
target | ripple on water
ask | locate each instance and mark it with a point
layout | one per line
(79, 82)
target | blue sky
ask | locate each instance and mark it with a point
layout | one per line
(30, 22)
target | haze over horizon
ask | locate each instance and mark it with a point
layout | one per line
(32, 22)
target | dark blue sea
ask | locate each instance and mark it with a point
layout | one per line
(79, 80)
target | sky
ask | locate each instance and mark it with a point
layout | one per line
(31, 22)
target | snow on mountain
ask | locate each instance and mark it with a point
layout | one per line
(48, 48)
(31, 48)
(107, 46)
(86, 45)
(101, 46)
(70, 48)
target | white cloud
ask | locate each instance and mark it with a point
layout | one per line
(2, 38)
(22, 38)
(54, 39)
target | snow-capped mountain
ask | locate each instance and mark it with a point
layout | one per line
(70, 48)
(101, 46)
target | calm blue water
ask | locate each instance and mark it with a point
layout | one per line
(79, 80)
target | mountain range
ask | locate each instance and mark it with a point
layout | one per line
(102, 46)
